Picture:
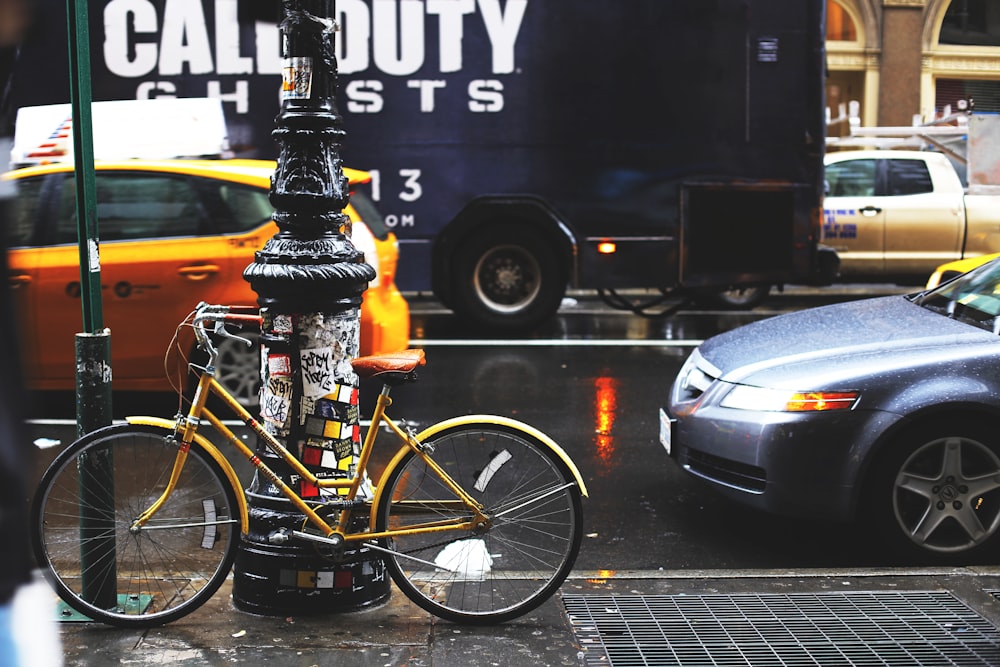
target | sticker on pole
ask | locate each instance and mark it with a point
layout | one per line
(296, 79)
(318, 366)
(93, 256)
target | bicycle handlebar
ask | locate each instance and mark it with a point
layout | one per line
(219, 315)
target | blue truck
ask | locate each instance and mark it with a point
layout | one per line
(670, 149)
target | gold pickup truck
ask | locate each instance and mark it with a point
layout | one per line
(896, 215)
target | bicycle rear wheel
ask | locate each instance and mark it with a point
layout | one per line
(82, 516)
(498, 572)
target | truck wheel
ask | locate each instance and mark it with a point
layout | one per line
(509, 280)
(735, 298)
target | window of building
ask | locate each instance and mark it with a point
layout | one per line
(839, 24)
(984, 94)
(972, 22)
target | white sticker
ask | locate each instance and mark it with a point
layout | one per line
(94, 256)
(275, 401)
(317, 366)
(281, 324)
(296, 79)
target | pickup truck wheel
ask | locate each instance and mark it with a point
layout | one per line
(736, 298)
(508, 280)
(936, 495)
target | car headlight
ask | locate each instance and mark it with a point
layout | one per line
(744, 397)
(694, 378)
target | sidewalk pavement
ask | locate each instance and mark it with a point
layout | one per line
(400, 633)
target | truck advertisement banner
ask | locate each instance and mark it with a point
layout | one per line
(518, 147)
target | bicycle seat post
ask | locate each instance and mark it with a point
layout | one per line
(384, 401)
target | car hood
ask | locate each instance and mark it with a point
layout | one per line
(829, 337)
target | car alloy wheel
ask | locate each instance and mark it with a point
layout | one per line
(946, 494)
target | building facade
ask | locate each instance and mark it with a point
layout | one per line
(905, 60)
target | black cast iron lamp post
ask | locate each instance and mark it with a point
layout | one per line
(309, 279)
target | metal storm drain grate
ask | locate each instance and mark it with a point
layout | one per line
(757, 630)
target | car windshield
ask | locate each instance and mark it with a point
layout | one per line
(972, 297)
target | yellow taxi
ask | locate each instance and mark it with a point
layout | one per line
(949, 270)
(172, 233)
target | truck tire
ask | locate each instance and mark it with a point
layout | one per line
(745, 297)
(508, 279)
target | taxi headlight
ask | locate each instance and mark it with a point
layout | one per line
(744, 397)
(364, 241)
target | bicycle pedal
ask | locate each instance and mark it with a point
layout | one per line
(280, 536)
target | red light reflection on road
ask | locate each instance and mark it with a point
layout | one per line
(605, 406)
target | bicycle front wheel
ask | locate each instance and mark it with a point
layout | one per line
(107, 569)
(492, 573)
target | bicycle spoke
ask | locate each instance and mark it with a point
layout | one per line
(519, 504)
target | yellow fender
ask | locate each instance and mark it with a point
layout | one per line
(206, 445)
(484, 419)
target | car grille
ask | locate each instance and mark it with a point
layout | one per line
(724, 471)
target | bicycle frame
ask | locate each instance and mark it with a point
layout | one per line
(187, 426)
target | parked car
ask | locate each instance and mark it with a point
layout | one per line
(172, 233)
(883, 410)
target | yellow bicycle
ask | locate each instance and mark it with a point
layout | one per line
(478, 518)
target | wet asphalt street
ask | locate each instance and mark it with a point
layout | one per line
(593, 379)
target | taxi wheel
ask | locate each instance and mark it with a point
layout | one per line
(936, 495)
(508, 279)
(239, 368)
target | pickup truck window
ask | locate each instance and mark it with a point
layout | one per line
(851, 178)
(909, 177)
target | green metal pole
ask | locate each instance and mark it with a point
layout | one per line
(83, 148)
(94, 390)
(93, 347)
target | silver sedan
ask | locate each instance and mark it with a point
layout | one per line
(885, 409)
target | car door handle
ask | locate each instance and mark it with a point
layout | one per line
(869, 211)
(18, 280)
(199, 272)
